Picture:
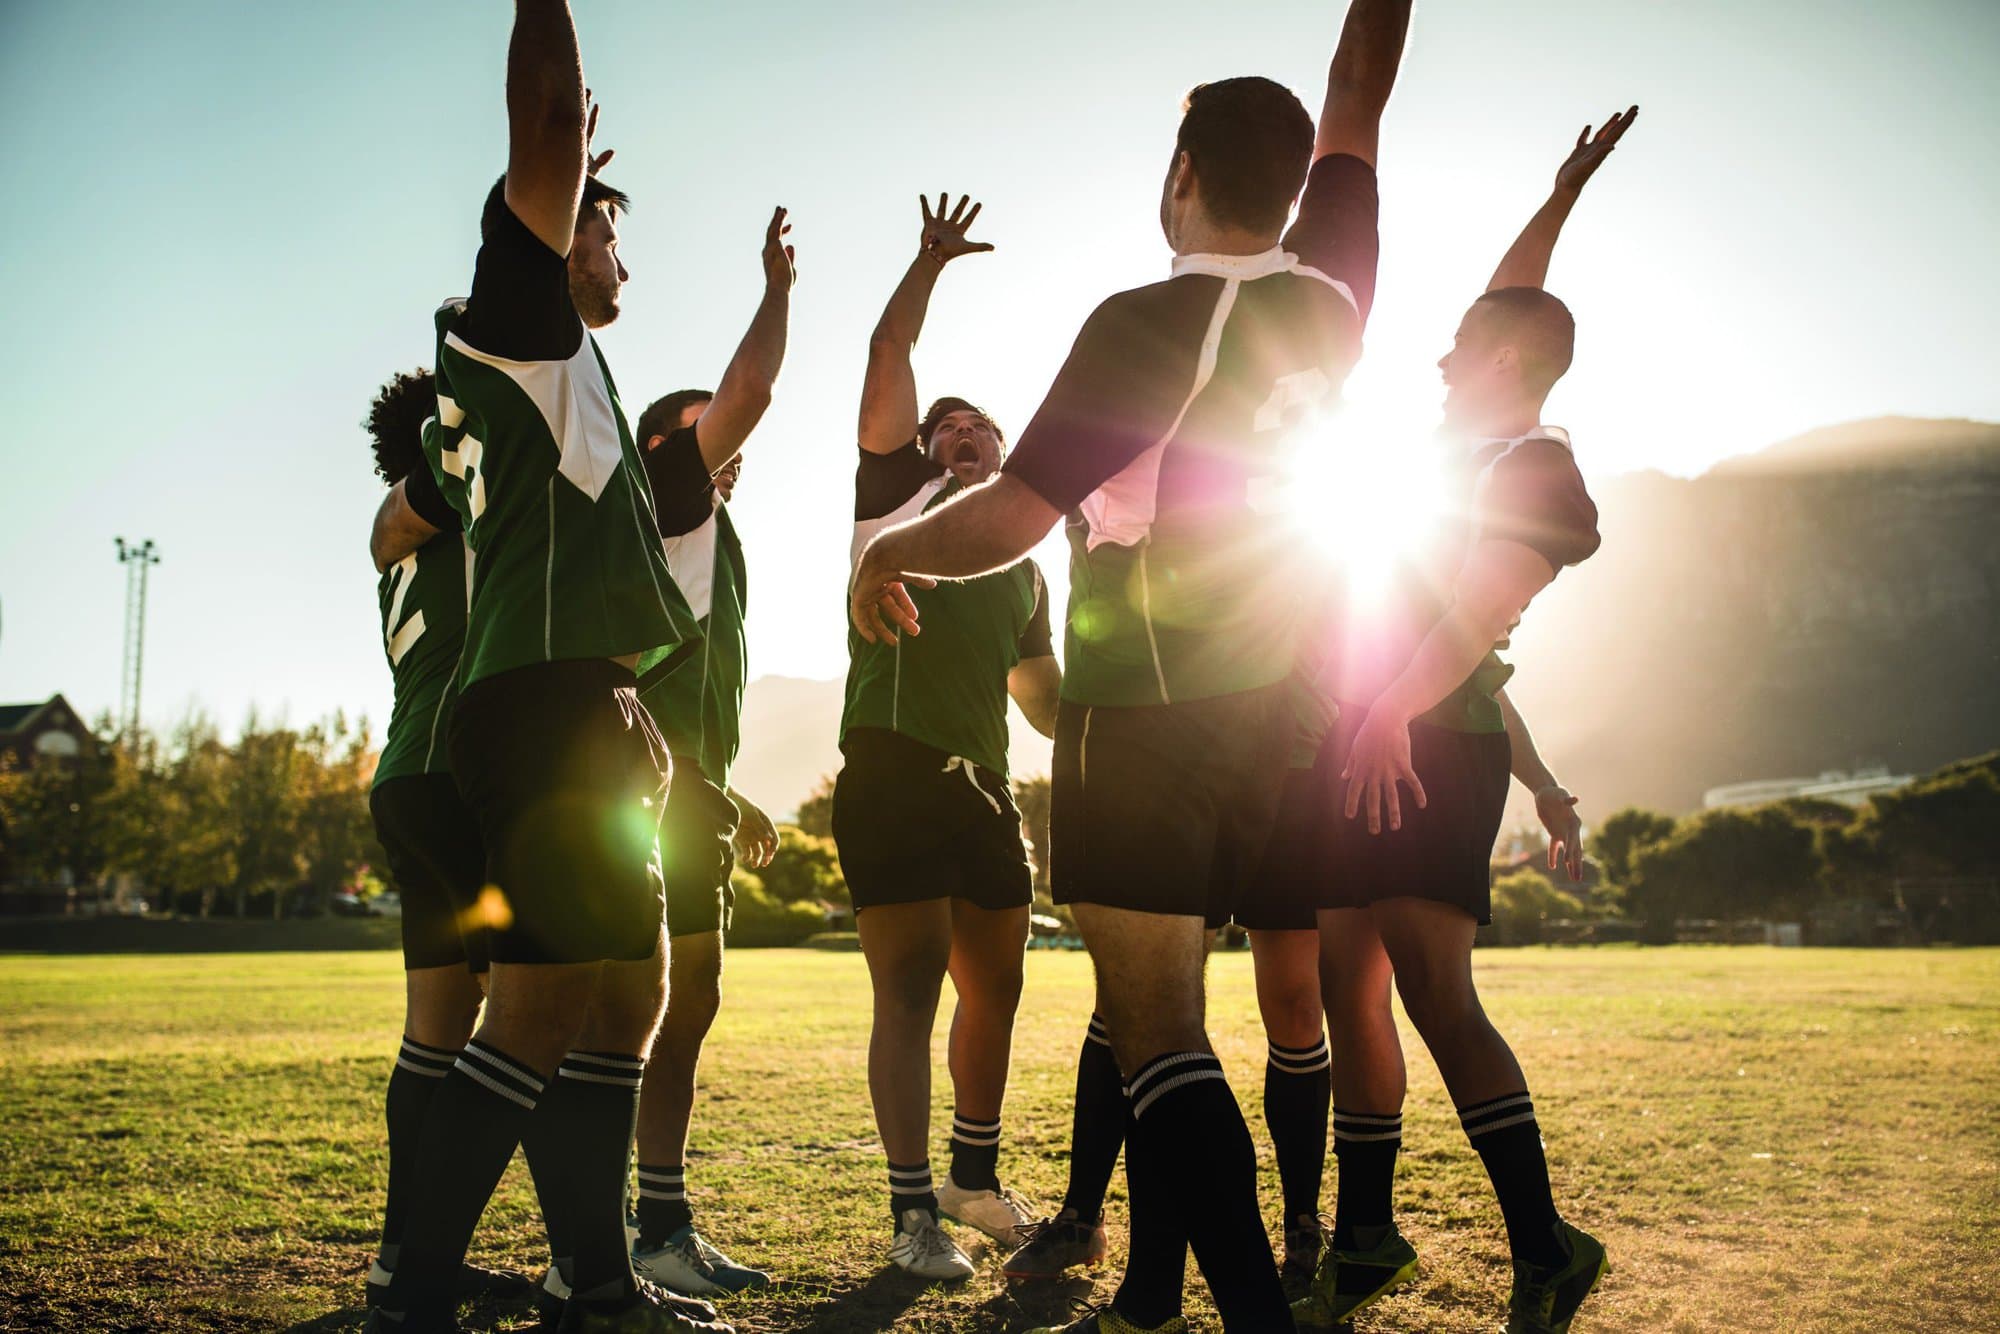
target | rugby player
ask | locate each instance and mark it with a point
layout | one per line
(1164, 426)
(559, 763)
(428, 837)
(1284, 940)
(693, 441)
(923, 816)
(1421, 707)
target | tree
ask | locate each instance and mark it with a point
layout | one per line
(759, 918)
(1622, 834)
(1524, 903)
(805, 869)
(1730, 863)
(816, 811)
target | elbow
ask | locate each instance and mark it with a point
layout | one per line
(882, 343)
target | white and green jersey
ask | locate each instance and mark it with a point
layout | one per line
(696, 697)
(948, 686)
(423, 603)
(531, 446)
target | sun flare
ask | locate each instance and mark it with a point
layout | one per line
(1363, 490)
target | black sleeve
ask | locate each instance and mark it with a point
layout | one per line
(520, 307)
(1120, 393)
(1536, 496)
(1036, 641)
(1338, 228)
(682, 489)
(882, 482)
(420, 491)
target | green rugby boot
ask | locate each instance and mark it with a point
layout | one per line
(1545, 1300)
(1104, 1320)
(1350, 1280)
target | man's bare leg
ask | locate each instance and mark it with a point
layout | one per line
(666, 1102)
(1297, 1087)
(1188, 1155)
(908, 948)
(987, 951)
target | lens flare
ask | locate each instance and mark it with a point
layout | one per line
(1364, 490)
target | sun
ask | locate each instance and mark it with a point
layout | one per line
(1363, 491)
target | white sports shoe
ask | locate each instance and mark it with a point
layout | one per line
(922, 1248)
(997, 1213)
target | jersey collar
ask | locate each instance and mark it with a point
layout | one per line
(1243, 267)
(1555, 435)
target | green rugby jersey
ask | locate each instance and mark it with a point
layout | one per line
(1526, 490)
(697, 698)
(946, 687)
(531, 446)
(1162, 431)
(422, 597)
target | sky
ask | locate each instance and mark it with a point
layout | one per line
(222, 225)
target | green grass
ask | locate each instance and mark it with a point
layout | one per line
(1799, 1140)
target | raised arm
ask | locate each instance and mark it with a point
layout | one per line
(1526, 263)
(889, 392)
(745, 389)
(1362, 75)
(546, 147)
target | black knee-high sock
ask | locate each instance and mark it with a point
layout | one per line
(420, 1071)
(583, 1144)
(476, 1118)
(663, 1202)
(910, 1187)
(1156, 1257)
(1097, 1127)
(975, 1152)
(1298, 1088)
(1366, 1143)
(1509, 1142)
(1186, 1120)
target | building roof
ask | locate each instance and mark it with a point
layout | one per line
(13, 717)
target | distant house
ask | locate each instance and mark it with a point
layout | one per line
(51, 728)
(1833, 785)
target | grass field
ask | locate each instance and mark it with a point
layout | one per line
(1798, 1140)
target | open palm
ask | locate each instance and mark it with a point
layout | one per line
(944, 231)
(1591, 150)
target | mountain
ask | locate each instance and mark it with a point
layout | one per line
(1830, 602)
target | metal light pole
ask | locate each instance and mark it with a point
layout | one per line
(137, 560)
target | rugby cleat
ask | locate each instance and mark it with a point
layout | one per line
(1303, 1243)
(1545, 1300)
(1350, 1280)
(1105, 1320)
(685, 1262)
(921, 1247)
(552, 1298)
(1055, 1245)
(473, 1281)
(642, 1313)
(997, 1213)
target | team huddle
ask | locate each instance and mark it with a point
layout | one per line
(1238, 739)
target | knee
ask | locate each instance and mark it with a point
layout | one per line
(696, 989)
(1437, 1005)
(1293, 1018)
(910, 988)
(998, 988)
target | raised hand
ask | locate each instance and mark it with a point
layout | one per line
(1591, 150)
(944, 235)
(779, 269)
(597, 161)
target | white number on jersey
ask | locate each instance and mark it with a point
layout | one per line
(463, 463)
(399, 638)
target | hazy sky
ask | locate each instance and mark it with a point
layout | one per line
(222, 225)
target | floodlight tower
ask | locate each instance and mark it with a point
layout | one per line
(136, 559)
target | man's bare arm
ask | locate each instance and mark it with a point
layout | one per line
(1036, 685)
(1554, 805)
(986, 528)
(1526, 263)
(889, 413)
(1361, 77)
(744, 392)
(398, 530)
(546, 143)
